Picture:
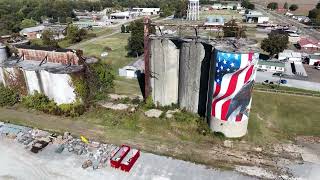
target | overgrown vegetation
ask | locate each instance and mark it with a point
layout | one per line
(8, 97)
(273, 5)
(100, 80)
(135, 45)
(247, 4)
(314, 14)
(42, 103)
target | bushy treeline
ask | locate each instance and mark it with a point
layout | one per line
(14, 12)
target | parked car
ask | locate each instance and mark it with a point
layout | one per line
(277, 74)
(283, 81)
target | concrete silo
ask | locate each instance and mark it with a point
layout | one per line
(3, 57)
(232, 76)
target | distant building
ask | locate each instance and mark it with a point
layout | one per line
(122, 15)
(271, 66)
(33, 32)
(86, 24)
(290, 55)
(314, 59)
(214, 21)
(146, 11)
(130, 70)
(303, 19)
(308, 44)
(230, 6)
(294, 38)
(36, 32)
(256, 17)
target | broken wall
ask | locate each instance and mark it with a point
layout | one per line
(65, 58)
(56, 86)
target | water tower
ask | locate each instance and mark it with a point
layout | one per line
(193, 10)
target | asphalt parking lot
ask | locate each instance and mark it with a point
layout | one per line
(313, 74)
(308, 85)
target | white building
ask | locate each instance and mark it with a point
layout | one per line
(33, 32)
(214, 21)
(122, 15)
(256, 17)
(193, 13)
(271, 66)
(290, 55)
(294, 37)
(130, 71)
(146, 11)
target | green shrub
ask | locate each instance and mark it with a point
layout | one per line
(8, 97)
(42, 103)
(81, 87)
(203, 127)
(73, 110)
(149, 103)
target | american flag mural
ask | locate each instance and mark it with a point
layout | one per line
(233, 83)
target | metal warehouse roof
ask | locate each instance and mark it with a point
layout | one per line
(271, 63)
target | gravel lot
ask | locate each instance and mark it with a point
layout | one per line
(18, 163)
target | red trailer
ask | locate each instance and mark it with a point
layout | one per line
(130, 160)
(119, 156)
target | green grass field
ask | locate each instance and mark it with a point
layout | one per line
(274, 118)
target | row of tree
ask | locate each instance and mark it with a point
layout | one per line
(275, 5)
(314, 14)
(18, 14)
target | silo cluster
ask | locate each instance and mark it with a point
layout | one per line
(213, 78)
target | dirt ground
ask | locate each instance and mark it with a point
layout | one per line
(313, 74)
(304, 6)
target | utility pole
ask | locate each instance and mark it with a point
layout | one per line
(147, 88)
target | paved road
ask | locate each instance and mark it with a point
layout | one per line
(286, 20)
(262, 76)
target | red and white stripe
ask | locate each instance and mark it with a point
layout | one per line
(231, 84)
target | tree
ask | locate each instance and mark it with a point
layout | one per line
(48, 39)
(318, 6)
(74, 34)
(275, 43)
(293, 7)
(251, 6)
(123, 29)
(136, 40)
(286, 6)
(181, 9)
(247, 4)
(272, 6)
(231, 29)
(26, 23)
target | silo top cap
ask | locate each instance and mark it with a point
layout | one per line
(193, 0)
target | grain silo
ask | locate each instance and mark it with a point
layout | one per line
(231, 81)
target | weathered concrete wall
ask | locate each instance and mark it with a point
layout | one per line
(164, 66)
(192, 56)
(56, 86)
(3, 53)
(2, 81)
